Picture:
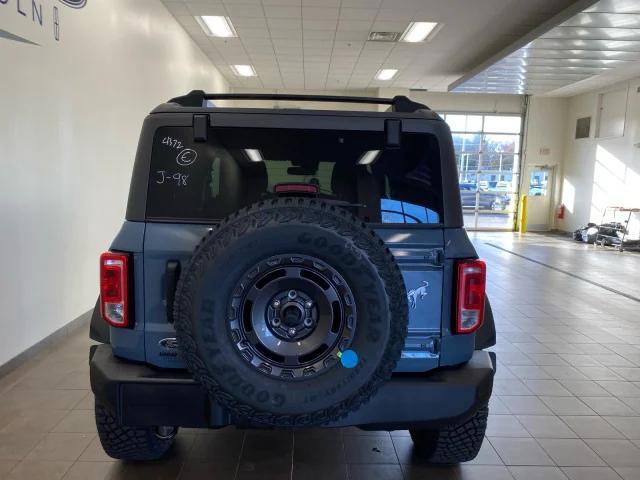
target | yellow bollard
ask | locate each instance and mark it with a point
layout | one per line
(522, 226)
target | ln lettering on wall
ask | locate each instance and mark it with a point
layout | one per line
(34, 22)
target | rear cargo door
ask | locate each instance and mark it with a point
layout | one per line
(385, 172)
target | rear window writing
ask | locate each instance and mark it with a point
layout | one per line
(206, 181)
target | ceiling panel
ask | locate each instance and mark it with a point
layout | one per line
(310, 43)
(586, 44)
(597, 33)
(595, 42)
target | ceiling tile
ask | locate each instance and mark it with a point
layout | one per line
(283, 12)
(243, 10)
(318, 34)
(389, 26)
(361, 35)
(253, 33)
(320, 13)
(283, 24)
(321, 3)
(319, 24)
(177, 8)
(397, 15)
(248, 22)
(354, 25)
(362, 14)
(206, 9)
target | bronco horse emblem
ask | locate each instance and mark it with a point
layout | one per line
(417, 294)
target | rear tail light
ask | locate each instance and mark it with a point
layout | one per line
(114, 288)
(471, 288)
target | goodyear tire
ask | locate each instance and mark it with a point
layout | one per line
(291, 313)
(131, 443)
(453, 443)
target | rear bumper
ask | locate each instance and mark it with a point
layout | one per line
(142, 395)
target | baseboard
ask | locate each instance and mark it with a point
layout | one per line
(46, 343)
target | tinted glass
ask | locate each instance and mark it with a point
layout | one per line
(239, 166)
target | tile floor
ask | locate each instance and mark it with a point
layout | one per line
(566, 401)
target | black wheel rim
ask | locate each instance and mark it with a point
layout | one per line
(292, 316)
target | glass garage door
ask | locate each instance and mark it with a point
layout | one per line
(488, 156)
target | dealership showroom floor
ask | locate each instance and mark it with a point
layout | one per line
(566, 401)
(177, 179)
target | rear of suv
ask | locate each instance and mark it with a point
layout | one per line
(292, 268)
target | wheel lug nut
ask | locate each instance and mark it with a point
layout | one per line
(308, 304)
(308, 322)
(292, 294)
(275, 303)
(292, 332)
(275, 322)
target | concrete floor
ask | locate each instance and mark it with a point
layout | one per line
(566, 401)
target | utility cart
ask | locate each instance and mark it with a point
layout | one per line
(614, 233)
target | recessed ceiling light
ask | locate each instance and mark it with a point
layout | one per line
(368, 157)
(418, 31)
(216, 26)
(253, 154)
(386, 73)
(243, 70)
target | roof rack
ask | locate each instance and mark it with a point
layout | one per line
(399, 103)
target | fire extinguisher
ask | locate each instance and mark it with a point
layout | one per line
(560, 213)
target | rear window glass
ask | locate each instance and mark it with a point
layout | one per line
(206, 181)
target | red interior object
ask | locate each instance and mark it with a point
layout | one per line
(307, 188)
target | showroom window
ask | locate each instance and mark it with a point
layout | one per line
(487, 148)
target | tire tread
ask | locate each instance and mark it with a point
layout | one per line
(128, 443)
(454, 443)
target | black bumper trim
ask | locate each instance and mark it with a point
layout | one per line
(143, 395)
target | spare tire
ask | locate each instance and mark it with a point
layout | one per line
(291, 313)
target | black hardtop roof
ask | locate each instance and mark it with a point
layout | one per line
(196, 101)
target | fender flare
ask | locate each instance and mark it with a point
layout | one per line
(98, 329)
(486, 334)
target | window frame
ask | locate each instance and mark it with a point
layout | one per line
(517, 155)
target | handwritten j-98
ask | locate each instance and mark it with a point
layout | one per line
(178, 179)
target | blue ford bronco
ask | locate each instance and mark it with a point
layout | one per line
(292, 268)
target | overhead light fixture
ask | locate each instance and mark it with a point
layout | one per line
(243, 70)
(368, 157)
(216, 26)
(419, 31)
(386, 73)
(254, 154)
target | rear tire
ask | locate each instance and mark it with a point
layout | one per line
(454, 443)
(131, 443)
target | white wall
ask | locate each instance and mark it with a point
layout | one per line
(70, 116)
(462, 102)
(309, 105)
(544, 145)
(598, 172)
(438, 101)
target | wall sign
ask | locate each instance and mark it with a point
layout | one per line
(32, 18)
(74, 3)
